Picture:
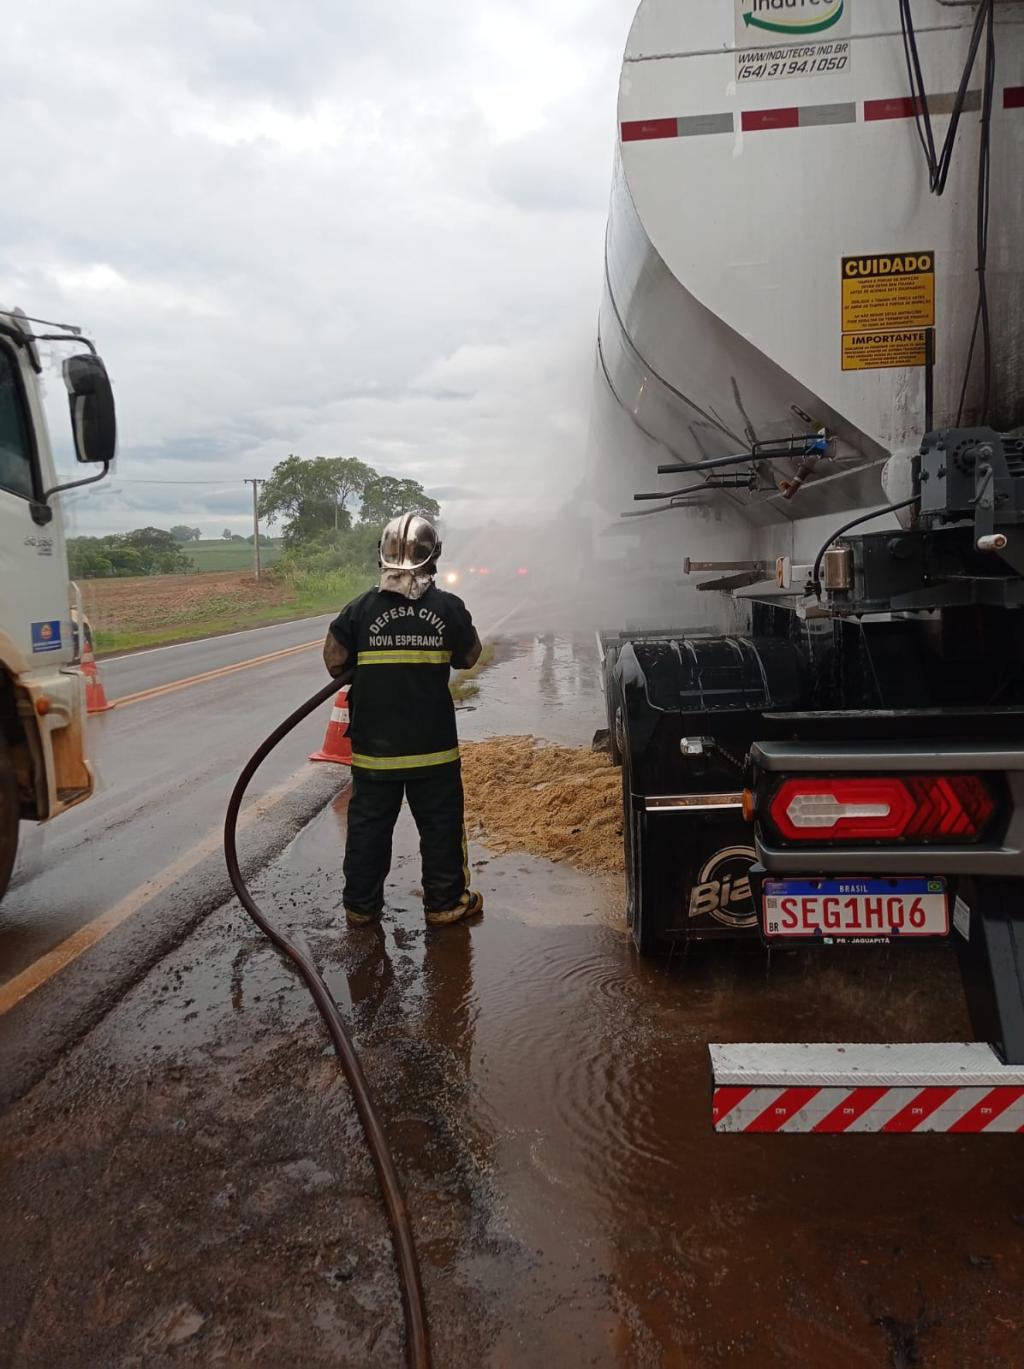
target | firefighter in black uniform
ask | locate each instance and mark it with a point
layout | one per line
(400, 641)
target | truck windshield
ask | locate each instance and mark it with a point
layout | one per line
(15, 449)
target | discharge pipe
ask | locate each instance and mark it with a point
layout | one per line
(417, 1341)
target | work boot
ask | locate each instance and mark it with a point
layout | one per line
(354, 918)
(469, 905)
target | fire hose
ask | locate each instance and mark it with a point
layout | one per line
(417, 1343)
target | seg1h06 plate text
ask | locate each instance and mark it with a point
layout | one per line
(854, 908)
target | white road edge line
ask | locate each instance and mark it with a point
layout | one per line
(243, 632)
(201, 641)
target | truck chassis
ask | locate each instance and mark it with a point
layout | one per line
(708, 726)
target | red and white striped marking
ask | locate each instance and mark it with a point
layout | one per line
(875, 1108)
(804, 116)
(337, 745)
(958, 1087)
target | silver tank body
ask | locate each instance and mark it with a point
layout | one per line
(734, 202)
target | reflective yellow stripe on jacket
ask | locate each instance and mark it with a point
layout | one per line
(410, 657)
(405, 762)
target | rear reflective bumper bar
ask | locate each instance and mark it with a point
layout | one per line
(894, 1089)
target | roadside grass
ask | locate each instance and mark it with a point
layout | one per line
(157, 613)
(465, 685)
(108, 641)
(212, 553)
(129, 615)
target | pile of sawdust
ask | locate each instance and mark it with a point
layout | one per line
(561, 802)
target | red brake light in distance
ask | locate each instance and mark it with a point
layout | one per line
(882, 808)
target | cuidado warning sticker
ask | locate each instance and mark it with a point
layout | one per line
(888, 309)
(883, 351)
(888, 290)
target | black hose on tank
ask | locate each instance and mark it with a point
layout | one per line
(417, 1341)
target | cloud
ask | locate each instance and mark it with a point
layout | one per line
(325, 229)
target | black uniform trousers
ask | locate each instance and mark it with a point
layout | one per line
(437, 807)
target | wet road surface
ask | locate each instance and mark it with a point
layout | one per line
(106, 888)
(164, 767)
(189, 1186)
(143, 854)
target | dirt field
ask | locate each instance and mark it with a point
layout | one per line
(175, 604)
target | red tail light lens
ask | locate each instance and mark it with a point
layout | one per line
(882, 808)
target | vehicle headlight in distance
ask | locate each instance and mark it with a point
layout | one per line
(451, 577)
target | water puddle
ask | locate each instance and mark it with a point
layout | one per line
(565, 1083)
(546, 685)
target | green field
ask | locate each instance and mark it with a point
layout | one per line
(213, 553)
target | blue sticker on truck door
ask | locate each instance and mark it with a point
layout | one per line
(46, 636)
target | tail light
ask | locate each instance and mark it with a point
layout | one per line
(900, 808)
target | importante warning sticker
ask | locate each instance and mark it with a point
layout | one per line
(880, 351)
(888, 309)
(888, 290)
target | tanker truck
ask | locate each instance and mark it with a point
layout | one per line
(44, 769)
(807, 426)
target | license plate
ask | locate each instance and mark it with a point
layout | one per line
(866, 909)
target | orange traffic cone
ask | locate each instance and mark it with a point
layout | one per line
(337, 745)
(95, 694)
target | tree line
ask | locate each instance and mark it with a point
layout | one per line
(145, 551)
(333, 494)
(331, 510)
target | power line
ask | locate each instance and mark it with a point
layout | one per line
(228, 480)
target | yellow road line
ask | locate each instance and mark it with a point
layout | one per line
(68, 950)
(169, 688)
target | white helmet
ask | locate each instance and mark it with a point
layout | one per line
(408, 542)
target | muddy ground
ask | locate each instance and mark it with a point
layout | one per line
(189, 1186)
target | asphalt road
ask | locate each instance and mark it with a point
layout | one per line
(140, 670)
(188, 1186)
(109, 887)
(105, 888)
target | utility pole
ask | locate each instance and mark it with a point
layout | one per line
(256, 522)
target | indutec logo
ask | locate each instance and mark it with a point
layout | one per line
(795, 17)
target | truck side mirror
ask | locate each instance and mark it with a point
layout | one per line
(91, 398)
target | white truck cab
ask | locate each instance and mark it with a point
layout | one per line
(43, 764)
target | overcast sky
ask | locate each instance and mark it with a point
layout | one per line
(328, 227)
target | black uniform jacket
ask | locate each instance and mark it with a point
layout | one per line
(402, 716)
